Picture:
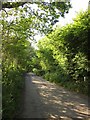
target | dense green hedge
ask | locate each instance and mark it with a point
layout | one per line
(63, 54)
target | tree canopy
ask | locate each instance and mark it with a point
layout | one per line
(63, 54)
(45, 14)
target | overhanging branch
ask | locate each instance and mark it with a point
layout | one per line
(12, 4)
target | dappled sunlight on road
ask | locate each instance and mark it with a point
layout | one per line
(59, 103)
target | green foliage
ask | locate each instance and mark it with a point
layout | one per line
(63, 54)
(44, 13)
(17, 58)
(13, 83)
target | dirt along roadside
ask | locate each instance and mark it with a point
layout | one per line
(43, 99)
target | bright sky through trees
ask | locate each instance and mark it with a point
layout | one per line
(77, 5)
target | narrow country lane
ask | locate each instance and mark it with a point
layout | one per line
(43, 99)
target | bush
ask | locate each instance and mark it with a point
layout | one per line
(13, 83)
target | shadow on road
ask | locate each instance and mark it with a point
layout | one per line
(60, 103)
(47, 100)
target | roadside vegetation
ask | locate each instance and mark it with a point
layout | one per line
(61, 56)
